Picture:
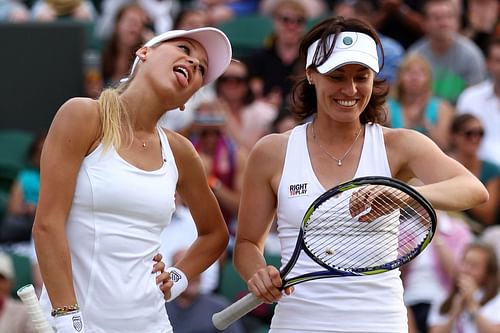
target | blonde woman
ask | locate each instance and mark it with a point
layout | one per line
(413, 104)
(108, 178)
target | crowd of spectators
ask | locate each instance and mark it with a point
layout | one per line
(441, 64)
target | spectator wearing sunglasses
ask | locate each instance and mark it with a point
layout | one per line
(467, 134)
(248, 119)
(272, 67)
(483, 100)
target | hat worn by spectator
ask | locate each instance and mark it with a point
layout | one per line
(6, 266)
(350, 48)
(213, 40)
(63, 7)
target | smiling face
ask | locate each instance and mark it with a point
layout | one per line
(345, 92)
(175, 68)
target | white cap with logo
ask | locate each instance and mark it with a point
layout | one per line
(350, 48)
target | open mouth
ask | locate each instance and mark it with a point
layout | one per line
(183, 71)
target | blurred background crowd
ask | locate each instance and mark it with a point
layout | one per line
(441, 64)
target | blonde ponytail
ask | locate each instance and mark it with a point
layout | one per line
(113, 117)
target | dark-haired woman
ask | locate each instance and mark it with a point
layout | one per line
(344, 140)
(466, 136)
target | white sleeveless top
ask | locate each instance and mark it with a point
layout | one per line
(113, 232)
(344, 304)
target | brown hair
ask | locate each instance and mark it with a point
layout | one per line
(490, 286)
(303, 98)
(110, 51)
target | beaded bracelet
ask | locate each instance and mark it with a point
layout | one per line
(68, 309)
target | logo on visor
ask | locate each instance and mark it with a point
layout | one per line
(347, 40)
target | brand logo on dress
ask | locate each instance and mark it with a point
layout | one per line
(77, 323)
(296, 190)
(174, 276)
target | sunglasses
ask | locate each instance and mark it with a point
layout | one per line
(473, 134)
(291, 20)
(233, 79)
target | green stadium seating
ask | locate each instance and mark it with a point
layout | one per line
(23, 270)
(247, 33)
(4, 199)
(14, 146)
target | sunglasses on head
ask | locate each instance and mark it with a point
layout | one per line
(291, 20)
(233, 79)
(473, 133)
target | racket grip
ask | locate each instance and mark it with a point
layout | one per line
(235, 311)
(28, 297)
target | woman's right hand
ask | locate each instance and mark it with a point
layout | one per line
(266, 285)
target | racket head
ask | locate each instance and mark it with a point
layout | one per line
(337, 241)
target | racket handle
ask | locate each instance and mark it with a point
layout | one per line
(235, 311)
(28, 297)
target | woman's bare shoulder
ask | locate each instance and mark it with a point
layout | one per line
(80, 110)
(403, 137)
(180, 145)
(78, 115)
(271, 145)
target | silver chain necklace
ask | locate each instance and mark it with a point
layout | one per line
(338, 160)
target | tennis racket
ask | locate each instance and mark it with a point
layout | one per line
(366, 226)
(28, 297)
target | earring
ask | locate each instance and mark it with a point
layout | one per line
(182, 107)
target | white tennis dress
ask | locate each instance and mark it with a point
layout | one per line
(113, 231)
(345, 304)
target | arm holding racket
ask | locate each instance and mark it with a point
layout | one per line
(342, 245)
(67, 323)
(28, 297)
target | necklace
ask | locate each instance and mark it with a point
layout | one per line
(338, 160)
(143, 143)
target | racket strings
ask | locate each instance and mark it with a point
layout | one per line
(345, 248)
(361, 244)
(377, 256)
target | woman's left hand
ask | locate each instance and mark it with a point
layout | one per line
(375, 201)
(163, 278)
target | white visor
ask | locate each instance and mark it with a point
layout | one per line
(350, 48)
(213, 40)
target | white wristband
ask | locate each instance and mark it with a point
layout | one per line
(70, 323)
(180, 282)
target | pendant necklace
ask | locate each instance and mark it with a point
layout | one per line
(338, 160)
